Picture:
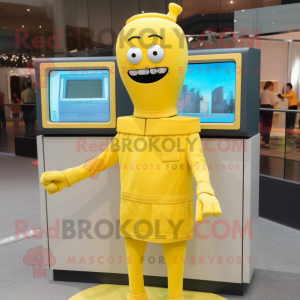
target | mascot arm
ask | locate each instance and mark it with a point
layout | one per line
(55, 181)
(207, 203)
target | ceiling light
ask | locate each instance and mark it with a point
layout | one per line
(231, 2)
(4, 56)
(28, 9)
(40, 26)
(22, 26)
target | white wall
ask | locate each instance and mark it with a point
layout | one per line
(294, 67)
(274, 67)
(294, 71)
(274, 64)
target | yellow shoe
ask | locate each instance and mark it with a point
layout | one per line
(142, 296)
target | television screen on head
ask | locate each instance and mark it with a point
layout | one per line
(221, 88)
(208, 92)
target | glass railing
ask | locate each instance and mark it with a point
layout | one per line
(280, 143)
(267, 20)
(16, 121)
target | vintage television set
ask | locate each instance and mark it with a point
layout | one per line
(221, 87)
(80, 96)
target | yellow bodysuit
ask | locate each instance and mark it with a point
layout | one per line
(157, 160)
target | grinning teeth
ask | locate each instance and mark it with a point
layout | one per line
(143, 72)
(133, 73)
(162, 70)
(153, 71)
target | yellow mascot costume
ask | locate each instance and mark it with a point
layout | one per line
(158, 151)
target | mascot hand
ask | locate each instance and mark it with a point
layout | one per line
(207, 205)
(54, 181)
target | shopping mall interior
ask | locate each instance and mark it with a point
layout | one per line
(31, 30)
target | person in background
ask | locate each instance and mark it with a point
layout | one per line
(28, 95)
(2, 112)
(293, 105)
(16, 110)
(29, 113)
(267, 100)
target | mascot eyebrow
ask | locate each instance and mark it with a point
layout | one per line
(134, 37)
(156, 35)
(138, 37)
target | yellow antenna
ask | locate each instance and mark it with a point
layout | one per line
(174, 10)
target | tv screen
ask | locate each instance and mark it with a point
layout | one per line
(79, 96)
(84, 88)
(208, 92)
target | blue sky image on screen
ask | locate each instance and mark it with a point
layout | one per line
(208, 92)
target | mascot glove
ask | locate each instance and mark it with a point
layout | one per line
(207, 205)
(54, 181)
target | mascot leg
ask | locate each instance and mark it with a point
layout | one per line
(175, 258)
(135, 251)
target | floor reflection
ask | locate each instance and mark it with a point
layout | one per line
(7, 137)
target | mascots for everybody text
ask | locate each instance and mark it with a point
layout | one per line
(158, 151)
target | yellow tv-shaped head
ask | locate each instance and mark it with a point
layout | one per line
(152, 59)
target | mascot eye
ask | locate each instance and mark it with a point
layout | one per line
(156, 53)
(134, 55)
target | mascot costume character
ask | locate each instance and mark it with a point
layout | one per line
(159, 152)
